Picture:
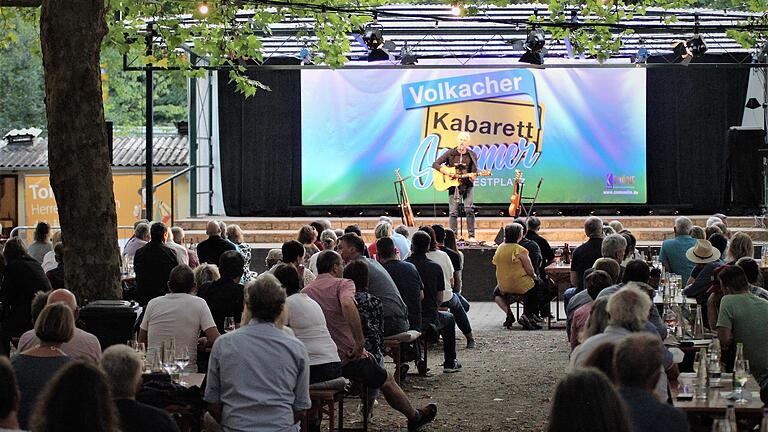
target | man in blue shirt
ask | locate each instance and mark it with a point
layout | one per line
(271, 398)
(672, 254)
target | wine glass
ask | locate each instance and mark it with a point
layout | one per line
(229, 324)
(696, 360)
(169, 355)
(182, 360)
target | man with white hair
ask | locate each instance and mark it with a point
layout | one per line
(672, 254)
(181, 252)
(614, 246)
(464, 162)
(82, 346)
(139, 239)
(178, 238)
(210, 250)
(401, 241)
(123, 368)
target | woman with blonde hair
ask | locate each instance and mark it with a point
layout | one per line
(383, 229)
(205, 273)
(740, 246)
(235, 235)
(34, 368)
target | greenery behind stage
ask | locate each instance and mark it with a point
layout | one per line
(22, 103)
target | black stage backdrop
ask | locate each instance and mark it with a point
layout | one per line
(689, 111)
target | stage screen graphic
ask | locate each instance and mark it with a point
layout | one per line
(582, 130)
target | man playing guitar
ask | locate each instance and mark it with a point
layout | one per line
(464, 162)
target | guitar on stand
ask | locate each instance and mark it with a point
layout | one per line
(402, 200)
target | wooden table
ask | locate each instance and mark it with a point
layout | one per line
(717, 398)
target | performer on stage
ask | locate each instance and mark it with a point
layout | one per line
(465, 162)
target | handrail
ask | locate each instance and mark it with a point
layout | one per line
(176, 175)
(16, 229)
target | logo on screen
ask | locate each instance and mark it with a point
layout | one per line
(619, 185)
(500, 111)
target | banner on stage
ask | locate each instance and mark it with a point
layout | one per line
(583, 130)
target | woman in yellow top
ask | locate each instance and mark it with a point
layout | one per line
(516, 276)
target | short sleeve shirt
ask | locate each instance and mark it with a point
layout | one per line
(510, 273)
(747, 317)
(371, 311)
(672, 253)
(328, 291)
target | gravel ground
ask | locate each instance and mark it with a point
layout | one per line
(506, 384)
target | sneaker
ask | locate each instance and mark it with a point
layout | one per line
(536, 319)
(453, 367)
(424, 415)
(470, 344)
(509, 321)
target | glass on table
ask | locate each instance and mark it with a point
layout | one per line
(182, 360)
(229, 324)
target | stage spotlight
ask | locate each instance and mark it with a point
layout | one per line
(696, 45)
(456, 9)
(407, 57)
(753, 103)
(534, 45)
(373, 36)
(559, 212)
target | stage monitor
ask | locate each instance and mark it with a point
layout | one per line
(582, 130)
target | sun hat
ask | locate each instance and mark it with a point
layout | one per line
(702, 253)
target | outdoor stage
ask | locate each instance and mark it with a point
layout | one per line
(264, 233)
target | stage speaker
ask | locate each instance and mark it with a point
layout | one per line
(744, 185)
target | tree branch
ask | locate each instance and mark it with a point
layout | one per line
(20, 3)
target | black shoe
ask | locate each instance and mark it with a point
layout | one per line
(470, 344)
(421, 366)
(404, 371)
(425, 415)
(509, 321)
(527, 323)
(536, 319)
(452, 367)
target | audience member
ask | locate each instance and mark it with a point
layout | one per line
(272, 398)
(614, 246)
(697, 233)
(743, 318)
(617, 226)
(597, 320)
(585, 401)
(434, 322)
(368, 307)
(35, 367)
(380, 284)
(304, 316)
(56, 276)
(65, 406)
(182, 256)
(235, 235)
(712, 220)
(178, 238)
(307, 237)
(224, 296)
(673, 251)
(49, 260)
(139, 239)
(709, 231)
(406, 279)
(547, 254)
(336, 297)
(400, 236)
(608, 265)
(205, 273)
(293, 253)
(454, 256)
(515, 276)
(706, 259)
(602, 358)
(740, 246)
(210, 250)
(42, 242)
(723, 229)
(9, 397)
(594, 282)
(123, 368)
(584, 256)
(82, 346)
(752, 272)
(319, 229)
(638, 359)
(382, 230)
(452, 287)
(630, 252)
(153, 263)
(450, 243)
(540, 289)
(273, 258)
(328, 240)
(178, 315)
(22, 279)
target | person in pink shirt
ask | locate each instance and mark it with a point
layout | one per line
(336, 297)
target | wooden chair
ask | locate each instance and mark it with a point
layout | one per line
(324, 407)
(392, 348)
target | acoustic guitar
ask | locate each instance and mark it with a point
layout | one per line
(444, 181)
(514, 204)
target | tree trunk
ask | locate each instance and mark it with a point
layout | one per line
(71, 32)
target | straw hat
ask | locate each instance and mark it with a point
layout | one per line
(702, 253)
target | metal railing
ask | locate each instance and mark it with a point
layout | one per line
(15, 230)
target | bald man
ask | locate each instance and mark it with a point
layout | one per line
(83, 345)
(210, 250)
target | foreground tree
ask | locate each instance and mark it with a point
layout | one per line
(73, 32)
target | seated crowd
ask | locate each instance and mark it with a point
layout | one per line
(616, 333)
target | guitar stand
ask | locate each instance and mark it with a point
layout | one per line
(528, 210)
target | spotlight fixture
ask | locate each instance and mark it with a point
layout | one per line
(373, 37)
(456, 9)
(753, 103)
(696, 45)
(203, 9)
(407, 57)
(534, 45)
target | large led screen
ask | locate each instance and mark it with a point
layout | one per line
(582, 131)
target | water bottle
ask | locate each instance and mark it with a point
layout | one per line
(701, 376)
(715, 372)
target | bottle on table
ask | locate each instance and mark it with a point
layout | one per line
(701, 375)
(714, 368)
(698, 325)
(566, 254)
(740, 369)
